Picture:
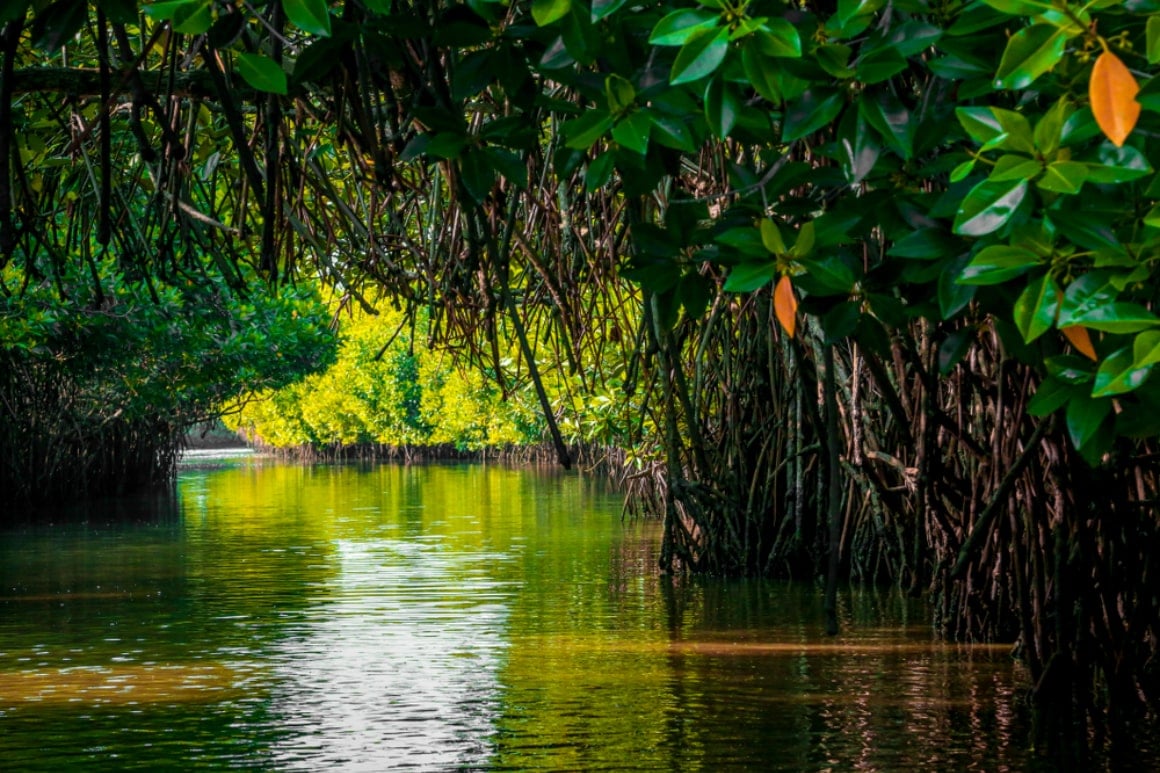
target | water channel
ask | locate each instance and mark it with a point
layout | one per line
(280, 617)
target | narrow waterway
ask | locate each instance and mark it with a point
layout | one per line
(281, 617)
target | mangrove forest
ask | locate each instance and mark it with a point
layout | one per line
(844, 291)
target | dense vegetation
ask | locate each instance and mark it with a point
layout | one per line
(874, 279)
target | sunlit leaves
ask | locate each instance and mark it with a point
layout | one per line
(547, 11)
(1030, 52)
(1113, 89)
(192, 17)
(989, 206)
(700, 56)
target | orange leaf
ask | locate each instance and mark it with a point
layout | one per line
(1113, 93)
(785, 305)
(1079, 338)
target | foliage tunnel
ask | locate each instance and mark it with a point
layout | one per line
(877, 279)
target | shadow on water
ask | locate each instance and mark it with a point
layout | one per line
(450, 617)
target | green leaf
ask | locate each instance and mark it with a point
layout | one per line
(583, 132)
(59, 23)
(620, 93)
(1036, 307)
(676, 28)
(771, 237)
(1049, 128)
(605, 8)
(544, 12)
(446, 145)
(1084, 416)
(834, 58)
(830, 276)
(1030, 52)
(746, 240)
(988, 207)
(1116, 317)
(1019, 135)
(632, 132)
(1117, 165)
(996, 264)
(700, 56)
(806, 238)
(1152, 35)
(477, 172)
(262, 73)
(599, 171)
(980, 123)
(1051, 396)
(1146, 349)
(1118, 374)
(926, 244)
(1020, 7)
(722, 106)
(778, 38)
(748, 277)
(962, 171)
(1064, 177)
(891, 120)
(189, 17)
(671, 132)
(311, 16)
(815, 109)
(880, 65)
(759, 72)
(510, 165)
(1012, 167)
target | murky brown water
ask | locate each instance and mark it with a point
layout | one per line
(277, 617)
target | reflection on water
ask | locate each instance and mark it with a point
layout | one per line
(455, 618)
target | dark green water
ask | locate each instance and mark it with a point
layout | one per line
(278, 617)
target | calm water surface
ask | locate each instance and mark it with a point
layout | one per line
(279, 617)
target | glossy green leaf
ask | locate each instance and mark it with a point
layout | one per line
(1030, 52)
(678, 27)
(926, 244)
(544, 12)
(311, 16)
(700, 56)
(815, 109)
(1036, 307)
(262, 73)
(1117, 165)
(599, 172)
(980, 123)
(1049, 128)
(880, 65)
(670, 131)
(604, 8)
(746, 240)
(1020, 7)
(1146, 348)
(632, 132)
(996, 264)
(189, 17)
(1118, 374)
(858, 147)
(1063, 177)
(509, 165)
(1018, 130)
(834, 58)
(988, 207)
(1152, 35)
(722, 107)
(620, 93)
(760, 72)
(962, 171)
(1116, 317)
(748, 277)
(1084, 416)
(826, 276)
(583, 132)
(891, 120)
(1012, 167)
(778, 38)
(1051, 396)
